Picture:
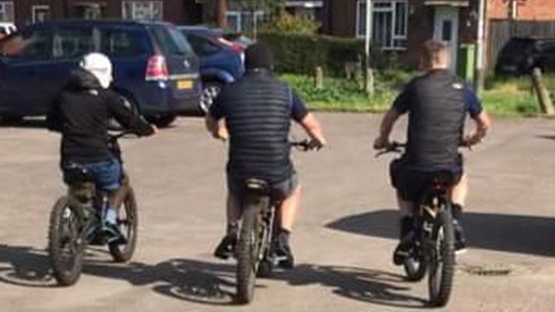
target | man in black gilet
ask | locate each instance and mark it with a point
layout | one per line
(437, 104)
(257, 110)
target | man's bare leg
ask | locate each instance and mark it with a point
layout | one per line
(458, 194)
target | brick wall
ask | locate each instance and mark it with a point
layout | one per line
(175, 11)
(527, 9)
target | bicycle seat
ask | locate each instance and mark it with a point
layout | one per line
(442, 179)
(77, 175)
(256, 185)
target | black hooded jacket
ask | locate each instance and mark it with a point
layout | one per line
(81, 113)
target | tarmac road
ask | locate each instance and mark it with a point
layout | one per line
(343, 240)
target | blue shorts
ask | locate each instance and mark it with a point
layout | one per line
(106, 174)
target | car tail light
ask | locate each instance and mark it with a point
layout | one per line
(157, 68)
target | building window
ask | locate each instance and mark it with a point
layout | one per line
(389, 23)
(142, 10)
(6, 11)
(241, 21)
(41, 13)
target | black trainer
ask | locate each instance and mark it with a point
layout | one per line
(282, 253)
(460, 240)
(113, 234)
(283, 256)
(403, 250)
(226, 247)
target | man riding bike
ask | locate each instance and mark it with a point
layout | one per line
(81, 113)
(437, 104)
(257, 110)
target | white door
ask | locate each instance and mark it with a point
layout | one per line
(446, 29)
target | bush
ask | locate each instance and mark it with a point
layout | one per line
(301, 53)
(290, 24)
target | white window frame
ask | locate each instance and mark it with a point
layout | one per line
(389, 46)
(4, 11)
(37, 7)
(239, 15)
(134, 8)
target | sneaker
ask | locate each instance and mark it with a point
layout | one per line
(283, 255)
(402, 251)
(226, 248)
(113, 234)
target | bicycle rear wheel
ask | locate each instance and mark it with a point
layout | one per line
(128, 220)
(65, 243)
(442, 260)
(248, 252)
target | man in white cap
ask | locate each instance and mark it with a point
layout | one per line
(81, 113)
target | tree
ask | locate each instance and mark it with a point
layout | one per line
(221, 10)
(271, 8)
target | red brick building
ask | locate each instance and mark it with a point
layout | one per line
(24, 12)
(403, 25)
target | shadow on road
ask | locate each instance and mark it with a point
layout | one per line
(195, 281)
(204, 282)
(547, 137)
(499, 232)
(25, 123)
(376, 287)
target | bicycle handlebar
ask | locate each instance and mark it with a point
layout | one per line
(392, 147)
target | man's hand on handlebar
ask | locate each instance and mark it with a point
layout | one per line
(316, 144)
(381, 143)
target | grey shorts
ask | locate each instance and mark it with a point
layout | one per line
(278, 190)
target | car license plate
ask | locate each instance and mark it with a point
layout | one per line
(184, 84)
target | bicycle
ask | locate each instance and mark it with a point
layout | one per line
(254, 246)
(433, 238)
(76, 222)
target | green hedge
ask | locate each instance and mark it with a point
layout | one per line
(301, 53)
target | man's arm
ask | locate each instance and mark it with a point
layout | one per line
(482, 122)
(386, 127)
(216, 127)
(312, 127)
(214, 120)
(128, 118)
(481, 119)
(308, 122)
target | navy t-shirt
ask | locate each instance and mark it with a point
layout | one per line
(471, 102)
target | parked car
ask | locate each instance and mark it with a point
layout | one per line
(221, 61)
(520, 55)
(6, 29)
(155, 69)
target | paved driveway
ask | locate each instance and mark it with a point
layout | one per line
(343, 241)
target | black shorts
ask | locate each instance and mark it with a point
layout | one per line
(411, 181)
(278, 191)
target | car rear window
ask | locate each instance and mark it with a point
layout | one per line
(121, 43)
(72, 43)
(171, 41)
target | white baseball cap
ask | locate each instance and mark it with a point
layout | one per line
(100, 66)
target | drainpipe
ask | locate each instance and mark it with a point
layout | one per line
(480, 75)
(368, 73)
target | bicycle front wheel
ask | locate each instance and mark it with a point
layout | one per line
(65, 242)
(248, 252)
(442, 260)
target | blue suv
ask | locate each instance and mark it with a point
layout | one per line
(221, 61)
(155, 69)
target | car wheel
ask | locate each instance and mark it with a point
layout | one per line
(161, 121)
(210, 91)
